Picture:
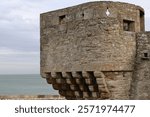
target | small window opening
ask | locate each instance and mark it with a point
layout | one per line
(82, 14)
(62, 19)
(142, 28)
(128, 25)
(145, 55)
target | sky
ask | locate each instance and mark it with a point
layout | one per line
(20, 31)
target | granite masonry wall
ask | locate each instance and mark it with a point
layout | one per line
(89, 51)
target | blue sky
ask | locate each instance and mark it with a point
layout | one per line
(19, 31)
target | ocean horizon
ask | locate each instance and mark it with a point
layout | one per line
(25, 84)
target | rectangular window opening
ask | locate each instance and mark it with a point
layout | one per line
(142, 25)
(62, 19)
(145, 55)
(82, 15)
(128, 25)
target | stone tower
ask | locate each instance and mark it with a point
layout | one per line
(89, 51)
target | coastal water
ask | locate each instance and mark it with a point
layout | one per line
(25, 85)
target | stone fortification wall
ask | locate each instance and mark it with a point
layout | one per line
(84, 38)
(88, 51)
(141, 79)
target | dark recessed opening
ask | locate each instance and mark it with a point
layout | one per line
(82, 14)
(59, 74)
(142, 28)
(62, 19)
(145, 55)
(128, 25)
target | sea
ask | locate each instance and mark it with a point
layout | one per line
(27, 84)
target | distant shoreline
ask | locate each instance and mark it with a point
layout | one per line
(19, 74)
(31, 97)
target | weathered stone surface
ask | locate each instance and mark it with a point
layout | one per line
(95, 51)
(91, 42)
(141, 79)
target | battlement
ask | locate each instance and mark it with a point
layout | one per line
(102, 9)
